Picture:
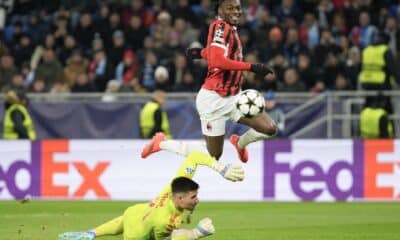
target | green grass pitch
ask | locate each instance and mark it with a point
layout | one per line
(42, 220)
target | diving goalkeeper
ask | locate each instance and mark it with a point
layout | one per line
(161, 218)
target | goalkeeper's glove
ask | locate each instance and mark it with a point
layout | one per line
(259, 68)
(204, 228)
(231, 172)
(193, 53)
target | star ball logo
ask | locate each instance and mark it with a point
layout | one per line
(338, 170)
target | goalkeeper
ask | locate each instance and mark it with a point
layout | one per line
(161, 218)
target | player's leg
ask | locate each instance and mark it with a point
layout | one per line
(160, 142)
(214, 111)
(112, 227)
(134, 223)
(261, 127)
(215, 145)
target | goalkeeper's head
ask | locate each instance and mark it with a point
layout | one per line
(184, 193)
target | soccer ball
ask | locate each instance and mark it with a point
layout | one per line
(250, 103)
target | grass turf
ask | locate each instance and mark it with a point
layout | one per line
(42, 220)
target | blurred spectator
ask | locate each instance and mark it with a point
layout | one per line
(177, 69)
(133, 86)
(273, 46)
(307, 71)
(136, 32)
(339, 26)
(288, 8)
(185, 32)
(50, 69)
(100, 70)
(17, 122)
(153, 118)
(116, 52)
(291, 82)
(188, 83)
(162, 29)
(392, 29)
(273, 111)
(136, 7)
(309, 31)
(69, 46)
(325, 12)
(82, 84)
(16, 84)
(374, 121)
(59, 87)
(85, 30)
(127, 69)
(362, 34)
(147, 71)
(293, 47)
(38, 86)
(75, 66)
(161, 77)
(7, 70)
(114, 25)
(353, 66)
(341, 83)
(279, 64)
(23, 50)
(378, 67)
(113, 87)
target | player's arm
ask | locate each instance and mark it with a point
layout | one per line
(203, 229)
(231, 172)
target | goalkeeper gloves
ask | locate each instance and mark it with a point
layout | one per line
(231, 172)
(193, 53)
(260, 68)
(204, 228)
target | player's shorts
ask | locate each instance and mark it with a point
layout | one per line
(214, 111)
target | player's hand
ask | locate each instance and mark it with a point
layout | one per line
(204, 228)
(193, 53)
(259, 68)
(231, 172)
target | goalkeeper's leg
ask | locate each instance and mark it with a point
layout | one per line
(112, 227)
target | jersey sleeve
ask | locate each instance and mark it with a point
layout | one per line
(189, 166)
(218, 47)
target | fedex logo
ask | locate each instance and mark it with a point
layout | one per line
(382, 169)
(42, 172)
(331, 170)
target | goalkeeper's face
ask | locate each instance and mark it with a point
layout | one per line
(186, 200)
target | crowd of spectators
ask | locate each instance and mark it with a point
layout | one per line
(138, 46)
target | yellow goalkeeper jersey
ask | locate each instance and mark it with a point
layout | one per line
(158, 218)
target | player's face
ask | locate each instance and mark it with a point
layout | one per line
(230, 11)
(188, 200)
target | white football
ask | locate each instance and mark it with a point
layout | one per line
(250, 103)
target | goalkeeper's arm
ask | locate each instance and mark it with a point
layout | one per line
(203, 229)
(230, 172)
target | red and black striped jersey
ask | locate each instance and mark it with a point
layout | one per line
(225, 79)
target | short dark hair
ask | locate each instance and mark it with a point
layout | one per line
(183, 184)
(217, 3)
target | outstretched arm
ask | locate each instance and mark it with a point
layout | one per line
(230, 172)
(203, 229)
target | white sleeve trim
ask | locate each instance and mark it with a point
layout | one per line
(219, 45)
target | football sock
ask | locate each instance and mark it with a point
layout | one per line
(112, 227)
(250, 136)
(182, 148)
